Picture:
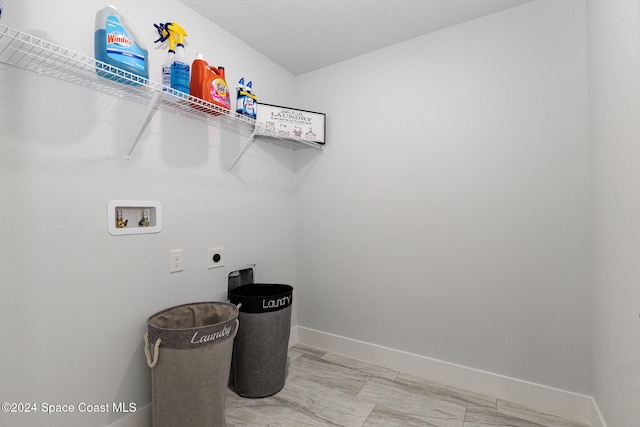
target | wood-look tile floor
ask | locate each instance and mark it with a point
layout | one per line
(327, 389)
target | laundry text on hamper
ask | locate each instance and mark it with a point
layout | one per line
(275, 303)
(212, 337)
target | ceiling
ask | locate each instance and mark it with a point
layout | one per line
(305, 35)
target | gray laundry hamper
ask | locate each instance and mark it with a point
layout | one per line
(188, 349)
(259, 363)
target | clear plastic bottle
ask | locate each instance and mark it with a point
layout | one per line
(166, 69)
(180, 71)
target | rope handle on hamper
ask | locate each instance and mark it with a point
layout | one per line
(147, 353)
(238, 305)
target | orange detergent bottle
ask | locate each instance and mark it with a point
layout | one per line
(208, 84)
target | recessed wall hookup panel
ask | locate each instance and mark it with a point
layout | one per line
(133, 217)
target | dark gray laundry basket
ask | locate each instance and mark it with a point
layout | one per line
(259, 363)
(188, 348)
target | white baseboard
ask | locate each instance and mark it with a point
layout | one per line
(543, 398)
(293, 336)
(560, 402)
(597, 420)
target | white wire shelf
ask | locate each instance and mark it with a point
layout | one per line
(31, 53)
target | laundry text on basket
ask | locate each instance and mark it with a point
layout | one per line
(212, 337)
(274, 303)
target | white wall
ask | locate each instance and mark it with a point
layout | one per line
(450, 215)
(74, 300)
(614, 62)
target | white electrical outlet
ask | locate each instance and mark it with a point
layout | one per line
(176, 262)
(216, 257)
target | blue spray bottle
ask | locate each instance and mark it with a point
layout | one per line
(179, 67)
